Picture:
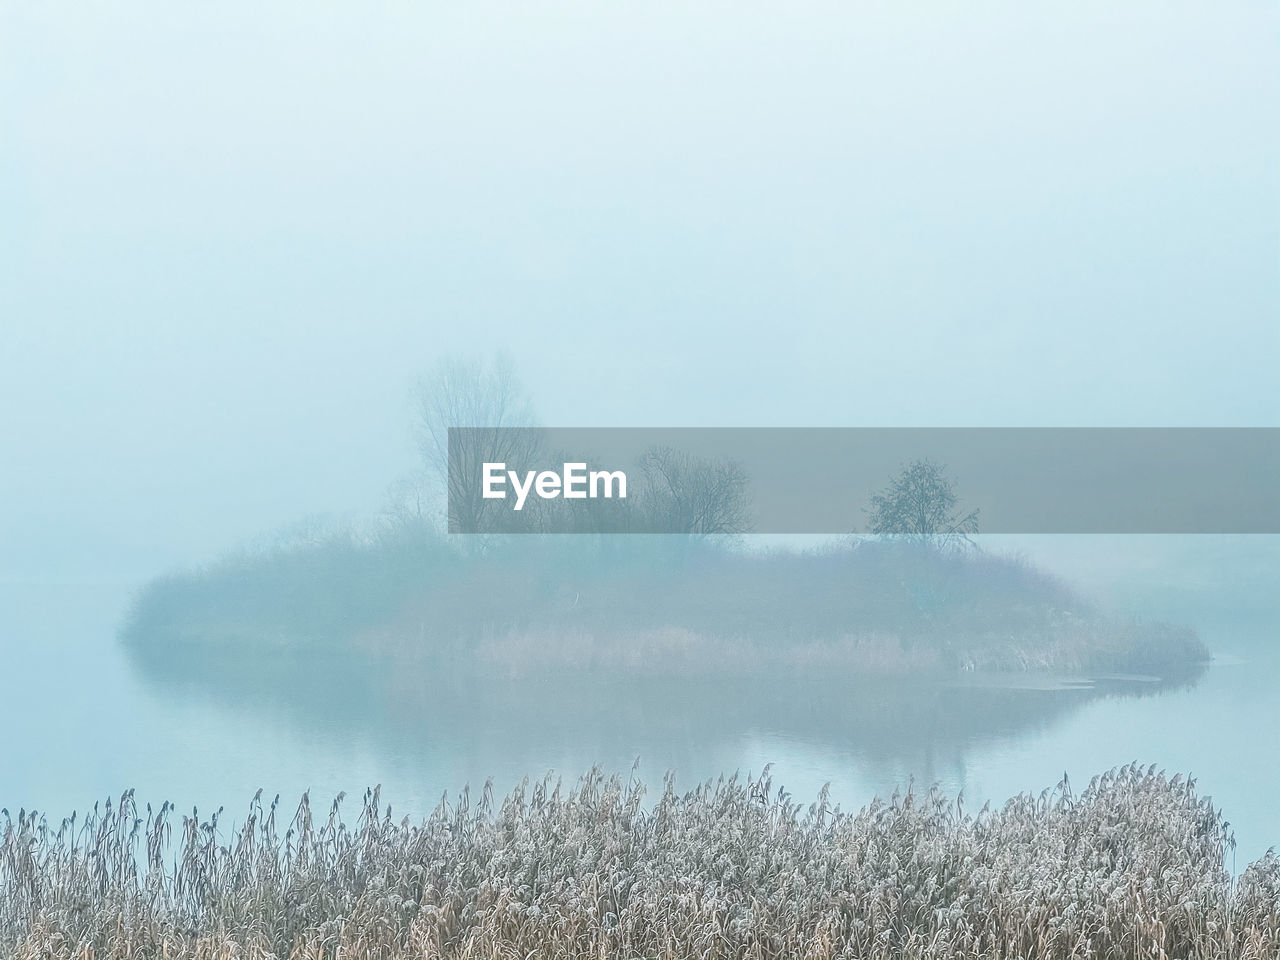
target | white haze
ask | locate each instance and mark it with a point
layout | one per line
(231, 233)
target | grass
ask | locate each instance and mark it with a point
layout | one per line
(1131, 866)
(648, 605)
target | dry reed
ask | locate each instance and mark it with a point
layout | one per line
(1132, 866)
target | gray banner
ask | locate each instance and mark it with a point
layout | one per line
(904, 481)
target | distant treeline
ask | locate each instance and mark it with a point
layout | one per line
(649, 605)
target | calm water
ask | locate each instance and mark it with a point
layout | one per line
(81, 721)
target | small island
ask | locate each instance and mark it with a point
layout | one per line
(912, 594)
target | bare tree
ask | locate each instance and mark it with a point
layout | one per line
(687, 494)
(920, 504)
(490, 399)
(407, 501)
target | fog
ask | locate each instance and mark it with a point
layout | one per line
(252, 254)
(233, 234)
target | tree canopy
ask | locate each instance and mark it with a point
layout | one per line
(920, 504)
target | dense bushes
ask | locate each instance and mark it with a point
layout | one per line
(652, 603)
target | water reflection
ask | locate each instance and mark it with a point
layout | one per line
(82, 720)
(881, 728)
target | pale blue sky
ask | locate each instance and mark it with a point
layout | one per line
(230, 233)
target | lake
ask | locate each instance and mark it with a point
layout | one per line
(82, 721)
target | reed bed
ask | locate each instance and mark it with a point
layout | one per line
(1130, 867)
(635, 605)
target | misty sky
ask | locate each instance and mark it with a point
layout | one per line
(231, 233)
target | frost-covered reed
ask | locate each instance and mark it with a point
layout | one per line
(1132, 866)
